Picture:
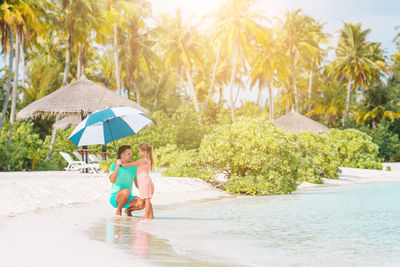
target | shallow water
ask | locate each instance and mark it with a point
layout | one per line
(334, 226)
(123, 232)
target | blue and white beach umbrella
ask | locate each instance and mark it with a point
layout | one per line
(106, 125)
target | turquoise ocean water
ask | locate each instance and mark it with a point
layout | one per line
(334, 226)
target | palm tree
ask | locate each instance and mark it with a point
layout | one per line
(181, 48)
(216, 55)
(377, 55)
(314, 57)
(265, 60)
(298, 39)
(7, 32)
(328, 101)
(116, 15)
(22, 15)
(236, 25)
(44, 68)
(380, 102)
(138, 58)
(77, 18)
(352, 60)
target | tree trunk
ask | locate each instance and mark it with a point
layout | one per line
(233, 74)
(192, 91)
(155, 102)
(288, 100)
(137, 91)
(10, 70)
(259, 92)
(5, 57)
(116, 60)
(271, 88)
(296, 94)
(271, 97)
(310, 90)
(346, 118)
(22, 65)
(211, 89)
(53, 140)
(220, 95)
(237, 96)
(79, 63)
(67, 60)
(15, 84)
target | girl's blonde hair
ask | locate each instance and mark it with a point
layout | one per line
(146, 147)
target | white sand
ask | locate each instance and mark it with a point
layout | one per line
(45, 217)
(351, 176)
(27, 192)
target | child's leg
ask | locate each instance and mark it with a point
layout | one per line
(148, 209)
(135, 204)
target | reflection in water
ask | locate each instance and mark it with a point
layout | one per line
(123, 232)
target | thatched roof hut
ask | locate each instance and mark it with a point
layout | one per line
(296, 122)
(66, 122)
(82, 96)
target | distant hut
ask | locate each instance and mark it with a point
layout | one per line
(295, 122)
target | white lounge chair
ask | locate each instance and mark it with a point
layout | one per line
(78, 155)
(93, 158)
(74, 165)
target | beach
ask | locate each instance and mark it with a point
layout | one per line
(64, 219)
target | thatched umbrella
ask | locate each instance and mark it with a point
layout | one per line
(66, 122)
(82, 96)
(78, 98)
(296, 122)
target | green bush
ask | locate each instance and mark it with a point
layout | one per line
(62, 144)
(187, 163)
(164, 156)
(388, 142)
(25, 150)
(106, 164)
(182, 128)
(47, 166)
(355, 148)
(320, 158)
(180, 163)
(258, 157)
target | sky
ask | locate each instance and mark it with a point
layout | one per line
(381, 16)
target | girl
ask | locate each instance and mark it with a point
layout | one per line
(146, 186)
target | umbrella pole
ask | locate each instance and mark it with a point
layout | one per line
(113, 139)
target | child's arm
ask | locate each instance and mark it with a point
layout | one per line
(134, 163)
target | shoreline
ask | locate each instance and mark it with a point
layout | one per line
(31, 192)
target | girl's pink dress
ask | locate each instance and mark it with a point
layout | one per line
(146, 186)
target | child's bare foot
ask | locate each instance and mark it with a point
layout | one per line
(128, 212)
(146, 218)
